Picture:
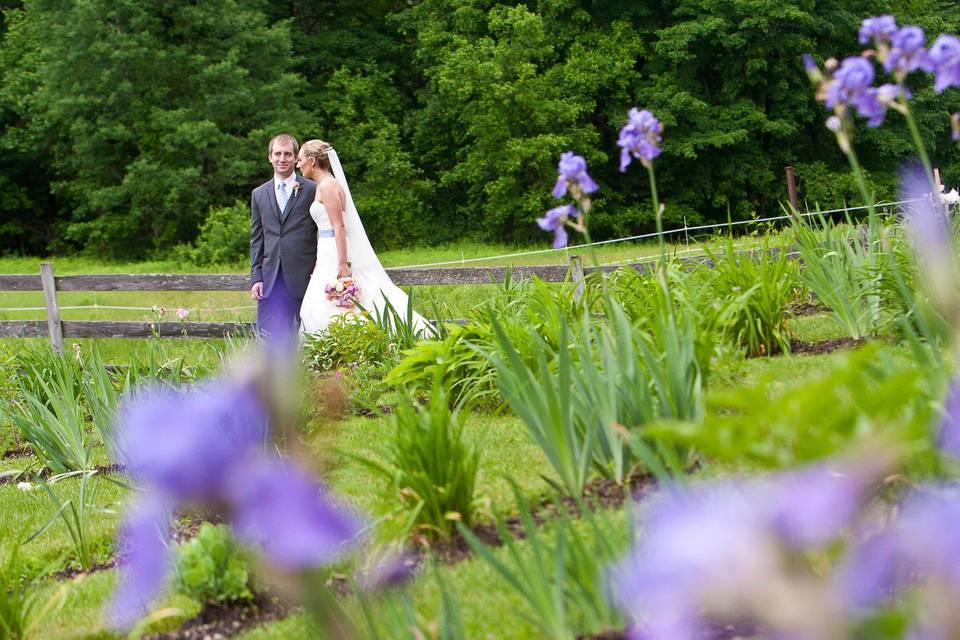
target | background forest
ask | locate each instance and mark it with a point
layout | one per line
(126, 126)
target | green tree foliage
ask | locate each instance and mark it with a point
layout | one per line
(122, 123)
(150, 111)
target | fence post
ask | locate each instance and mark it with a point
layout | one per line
(576, 274)
(53, 311)
(791, 187)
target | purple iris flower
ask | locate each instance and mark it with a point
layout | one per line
(573, 170)
(949, 437)
(640, 138)
(943, 59)
(879, 29)
(556, 220)
(853, 77)
(205, 446)
(280, 508)
(144, 561)
(725, 544)
(872, 103)
(812, 506)
(183, 442)
(906, 52)
(922, 544)
(928, 230)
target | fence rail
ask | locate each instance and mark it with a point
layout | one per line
(59, 329)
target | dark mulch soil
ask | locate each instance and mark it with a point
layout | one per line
(46, 473)
(807, 308)
(189, 521)
(382, 410)
(215, 622)
(72, 572)
(826, 346)
(22, 451)
(599, 493)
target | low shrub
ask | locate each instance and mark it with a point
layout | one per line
(431, 466)
(348, 342)
(212, 568)
(224, 237)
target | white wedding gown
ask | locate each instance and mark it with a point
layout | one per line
(317, 311)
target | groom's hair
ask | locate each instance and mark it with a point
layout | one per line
(284, 138)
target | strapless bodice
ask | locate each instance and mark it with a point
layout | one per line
(319, 214)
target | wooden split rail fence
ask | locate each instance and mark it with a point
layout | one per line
(58, 329)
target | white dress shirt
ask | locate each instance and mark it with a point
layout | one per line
(289, 181)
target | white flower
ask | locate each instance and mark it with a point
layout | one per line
(950, 198)
(24, 486)
(834, 124)
(339, 286)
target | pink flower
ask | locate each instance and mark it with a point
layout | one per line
(182, 313)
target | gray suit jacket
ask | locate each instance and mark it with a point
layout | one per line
(292, 243)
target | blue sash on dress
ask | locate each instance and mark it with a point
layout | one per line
(325, 233)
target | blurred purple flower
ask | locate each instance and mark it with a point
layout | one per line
(811, 67)
(906, 52)
(556, 220)
(812, 506)
(948, 438)
(182, 314)
(573, 171)
(873, 102)
(922, 543)
(388, 571)
(943, 59)
(955, 127)
(279, 507)
(724, 545)
(205, 445)
(640, 138)
(144, 561)
(183, 442)
(879, 29)
(695, 541)
(928, 230)
(853, 77)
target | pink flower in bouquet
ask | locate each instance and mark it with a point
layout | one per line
(343, 292)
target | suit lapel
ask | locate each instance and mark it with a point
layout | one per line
(270, 193)
(291, 200)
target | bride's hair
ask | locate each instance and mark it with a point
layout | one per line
(318, 149)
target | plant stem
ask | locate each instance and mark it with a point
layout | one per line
(872, 235)
(918, 142)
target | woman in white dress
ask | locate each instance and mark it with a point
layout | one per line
(343, 249)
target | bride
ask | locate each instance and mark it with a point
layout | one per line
(343, 249)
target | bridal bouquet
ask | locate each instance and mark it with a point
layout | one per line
(343, 292)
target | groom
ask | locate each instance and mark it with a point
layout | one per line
(283, 240)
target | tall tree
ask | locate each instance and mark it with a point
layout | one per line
(153, 111)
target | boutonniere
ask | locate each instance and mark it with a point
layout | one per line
(296, 188)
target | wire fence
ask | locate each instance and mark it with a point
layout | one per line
(696, 251)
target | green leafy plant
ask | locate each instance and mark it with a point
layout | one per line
(843, 270)
(212, 568)
(348, 342)
(49, 414)
(757, 288)
(75, 515)
(431, 466)
(558, 570)
(224, 237)
(21, 608)
(455, 361)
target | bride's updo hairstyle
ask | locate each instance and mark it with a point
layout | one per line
(318, 149)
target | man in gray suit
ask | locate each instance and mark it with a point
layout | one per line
(283, 240)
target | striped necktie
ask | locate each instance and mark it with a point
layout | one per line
(284, 196)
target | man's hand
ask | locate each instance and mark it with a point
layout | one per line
(256, 291)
